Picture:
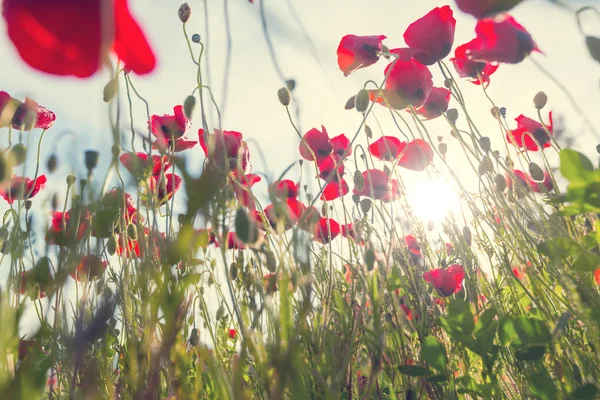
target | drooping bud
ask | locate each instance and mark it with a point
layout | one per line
(540, 100)
(350, 103)
(290, 84)
(184, 12)
(495, 111)
(484, 143)
(271, 261)
(91, 159)
(368, 132)
(283, 95)
(196, 38)
(365, 205)
(362, 100)
(188, 106)
(132, 232)
(452, 115)
(359, 181)
(111, 245)
(486, 165)
(194, 338)
(500, 181)
(536, 172)
(110, 90)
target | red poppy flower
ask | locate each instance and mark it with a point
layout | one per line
(349, 276)
(377, 185)
(206, 238)
(233, 242)
(341, 144)
(90, 267)
(432, 35)
(71, 37)
(287, 213)
(449, 249)
(597, 276)
(387, 148)
(24, 116)
(315, 142)
(165, 188)
(242, 190)
(479, 72)
(68, 227)
(412, 245)
(153, 244)
(502, 40)
(231, 333)
(270, 281)
(526, 181)
(22, 188)
(436, 104)
(348, 231)
(446, 280)
(543, 186)
(526, 128)
(136, 163)
(169, 130)
(309, 217)
(226, 149)
(327, 168)
(284, 189)
(518, 272)
(485, 8)
(114, 205)
(28, 346)
(334, 190)
(356, 52)
(417, 155)
(409, 81)
(407, 313)
(326, 230)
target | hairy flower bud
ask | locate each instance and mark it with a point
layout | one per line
(536, 172)
(188, 106)
(540, 100)
(452, 115)
(484, 143)
(184, 12)
(110, 90)
(284, 96)
(362, 101)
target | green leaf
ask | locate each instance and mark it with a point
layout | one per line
(576, 167)
(437, 378)
(523, 331)
(586, 262)
(542, 386)
(586, 392)
(413, 370)
(461, 316)
(560, 248)
(484, 338)
(532, 353)
(434, 353)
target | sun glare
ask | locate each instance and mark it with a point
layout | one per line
(432, 200)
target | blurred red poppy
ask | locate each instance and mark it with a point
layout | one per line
(27, 346)
(479, 72)
(379, 186)
(356, 52)
(137, 163)
(502, 40)
(169, 131)
(387, 148)
(334, 190)
(24, 116)
(316, 142)
(341, 144)
(528, 130)
(233, 242)
(22, 188)
(412, 245)
(73, 37)
(284, 214)
(226, 149)
(284, 189)
(410, 83)
(270, 281)
(597, 276)
(165, 188)
(526, 181)
(447, 281)
(436, 103)
(232, 333)
(68, 227)
(242, 190)
(90, 267)
(331, 168)
(485, 8)
(417, 155)
(326, 230)
(432, 35)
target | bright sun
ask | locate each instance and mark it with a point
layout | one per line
(432, 200)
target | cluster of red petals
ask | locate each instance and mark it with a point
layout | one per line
(529, 132)
(164, 186)
(226, 150)
(379, 186)
(68, 227)
(597, 276)
(412, 245)
(478, 72)
(90, 267)
(415, 155)
(233, 242)
(140, 162)
(326, 230)
(232, 333)
(436, 104)
(22, 188)
(284, 189)
(409, 83)
(284, 214)
(525, 180)
(447, 281)
(356, 52)
(71, 37)
(242, 190)
(114, 204)
(432, 36)
(501, 39)
(485, 8)
(24, 116)
(169, 131)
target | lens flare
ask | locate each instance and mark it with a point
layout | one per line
(432, 200)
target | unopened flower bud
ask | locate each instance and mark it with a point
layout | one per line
(284, 96)
(116, 150)
(503, 112)
(536, 172)
(495, 112)
(188, 106)
(443, 149)
(290, 84)
(448, 83)
(356, 198)
(91, 159)
(500, 181)
(362, 100)
(28, 205)
(180, 218)
(110, 90)
(359, 181)
(52, 163)
(350, 103)
(484, 143)
(452, 115)
(233, 271)
(598, 149)
(368, 131)
(365, 205)
(82, 183)
(132, 232)
(184, 12)
(540, 100)
(271, 261)
(467, 235)
(194, 338)
(71, 180)
(19, 153)
(111, 245)
(196, 38)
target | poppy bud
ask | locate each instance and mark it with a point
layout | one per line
(91, 159)
(598, 149)
(132, 232)
(290, 84)
(71, 180)
(484, 143)
(52, 163)
(448, 83)
(184, 12)
(233, 271)
(495, 112)
(452, 115)
(181, 218)
(110, 90)
(368, 131)
(111, 245)
(6, 165)
(350, 103)
(194, 338)
(536, 172)
(593, 45)
(242, 226)
(362, 100)
(188, 106)
(19, 153)
(28, 205)
(196, 38)
(359, 181)
(365, 205)
(503, 112)
(356, 198)
(271, 261)
(220, 312)
(500, 183)
(486, 165)
(443, 149)
(116, 150)
(82, 183)
(540, 100)
(283, 95)
(467, 235)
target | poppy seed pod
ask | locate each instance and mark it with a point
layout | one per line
(184, 12)
(71, 180)
(452, 115)
(52, 163)
(283, 95)
(91, 159)
(362, 101)
(365, 205)
(196, 38)
(540, 100)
